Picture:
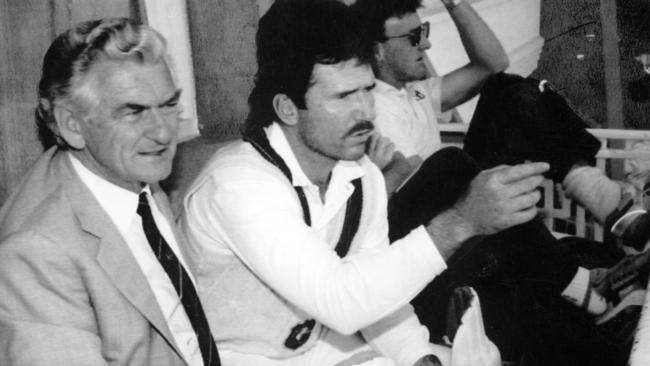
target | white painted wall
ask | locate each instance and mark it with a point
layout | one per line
(264, 5)
(169, 17)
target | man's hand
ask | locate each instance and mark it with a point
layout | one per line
(380, 150)
(396, 172)
(428, 360)
(496, 199)
(502, 197)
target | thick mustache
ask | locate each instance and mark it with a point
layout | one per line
(361, 126)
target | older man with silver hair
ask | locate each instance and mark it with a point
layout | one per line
(90, 267)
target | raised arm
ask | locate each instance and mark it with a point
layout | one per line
(485, 52)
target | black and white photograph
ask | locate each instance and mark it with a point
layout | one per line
(324, 182)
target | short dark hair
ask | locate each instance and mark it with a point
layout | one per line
(372, 14)
(294, 36)
(72, 54)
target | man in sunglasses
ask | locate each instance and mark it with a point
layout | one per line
(409, 102)
(521, 272)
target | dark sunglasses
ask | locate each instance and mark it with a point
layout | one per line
(415, 36)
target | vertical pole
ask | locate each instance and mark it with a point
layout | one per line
(613, 88)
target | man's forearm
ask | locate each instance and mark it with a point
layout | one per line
(395, 177)
(486, 56)
(482, 46)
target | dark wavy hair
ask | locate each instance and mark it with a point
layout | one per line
(371, 15)
(293, 36)
(72, 54)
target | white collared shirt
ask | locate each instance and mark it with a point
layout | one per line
(339, 189)
(409, 116)
(121, 206)
(241, 205)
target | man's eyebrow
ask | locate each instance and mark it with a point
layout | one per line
(128, 107)
(174, 98)
(141, 107)
(352, 91)
(134, 106)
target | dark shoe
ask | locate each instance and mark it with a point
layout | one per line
(630, 303)
(630, 222)
(623, 285)
(631, 269)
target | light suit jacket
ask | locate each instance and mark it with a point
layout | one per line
(71, 292)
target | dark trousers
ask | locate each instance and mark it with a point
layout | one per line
(520, 272)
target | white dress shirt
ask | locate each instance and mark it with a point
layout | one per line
(121, 206)
(409, 116)
(242, 206)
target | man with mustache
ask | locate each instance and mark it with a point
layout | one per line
(288, 228)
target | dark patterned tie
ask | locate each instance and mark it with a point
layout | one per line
(182, 283)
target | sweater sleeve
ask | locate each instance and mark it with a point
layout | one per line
(255, 215)
(401, 337)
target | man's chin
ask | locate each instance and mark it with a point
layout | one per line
(420, 74)
(153, 176)
(353, 155)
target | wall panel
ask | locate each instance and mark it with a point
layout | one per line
(223, 38)
(27, 27)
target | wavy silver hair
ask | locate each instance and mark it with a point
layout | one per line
(72, 54)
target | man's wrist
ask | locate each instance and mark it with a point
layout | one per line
(448, 231)
(428, 360)
(450, 4)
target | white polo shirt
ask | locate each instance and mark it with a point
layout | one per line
(409, 116)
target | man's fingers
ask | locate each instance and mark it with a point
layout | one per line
(524, 201)
(389, 148)
(522, 171)
(522, 216)
(384, 146)
(372, 142)
(523, 186)
(497, 168)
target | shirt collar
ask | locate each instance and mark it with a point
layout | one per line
(385, 88)
(410, 89)
(343, 171)
(120, 204)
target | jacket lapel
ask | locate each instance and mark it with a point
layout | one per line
(113, 254)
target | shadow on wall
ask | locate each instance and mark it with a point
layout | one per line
(3, 195)
(190, 158)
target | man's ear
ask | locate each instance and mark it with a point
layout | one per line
(286, 109)
(69, 126)
(379, 52)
